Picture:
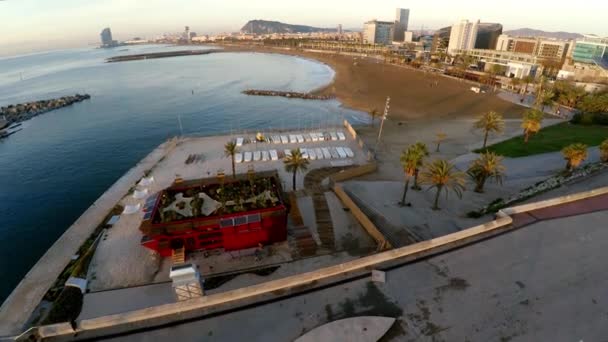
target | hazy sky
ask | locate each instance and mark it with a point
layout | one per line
(31, 25)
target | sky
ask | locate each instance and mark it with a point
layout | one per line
(38, 25)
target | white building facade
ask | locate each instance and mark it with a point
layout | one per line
(463, 36)
(378, 32)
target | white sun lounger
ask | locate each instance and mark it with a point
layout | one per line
(304, 153)
(311, 154)
(239, 141)
(334, 153)
(341, 136)
(293, 139)
(238, 157)
(287, 153)
(257, 155)
(300, 138)
(274, 155)
(326, 153)
(341, 152)
(284, 139)
(275, 139)
(349, 152)
(315, 137)
(307, 137)
(247, 157)
(319, 153)
(265, 156)
(333, 136)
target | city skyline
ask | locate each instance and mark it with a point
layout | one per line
(70, 23)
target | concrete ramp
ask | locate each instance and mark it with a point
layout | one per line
(355, 329)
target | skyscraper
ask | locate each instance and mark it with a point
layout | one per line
(402, 19)
(106, 37)
(187, 33)
(463, 36)
(378, 32)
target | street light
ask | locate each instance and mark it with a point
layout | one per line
(386, 108)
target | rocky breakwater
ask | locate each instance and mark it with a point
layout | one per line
(288, 94)
(25, 111)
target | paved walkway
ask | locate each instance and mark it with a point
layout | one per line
(529, 100)
(544, 282)
(24, 299)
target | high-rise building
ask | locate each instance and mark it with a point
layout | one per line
(487, 35)
(187, 33)
(340, 31)
(402, 19)
(378, 32)
(463, 36)
(106, 37)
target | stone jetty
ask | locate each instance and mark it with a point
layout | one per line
(25, 111)
(288, 94)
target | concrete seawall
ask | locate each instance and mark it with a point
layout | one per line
(19, 306)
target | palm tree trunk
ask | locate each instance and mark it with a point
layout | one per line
(437, 149)
(481, 181)
(526, 136)
(416, 186)
(436, 203)
(294, 180)
(407, 184)
(233, 168)
(485, 139)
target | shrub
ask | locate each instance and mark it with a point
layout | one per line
(67, 306)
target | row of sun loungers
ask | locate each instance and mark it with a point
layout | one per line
(308, 153)
(299, 138)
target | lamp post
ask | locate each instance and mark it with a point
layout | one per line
(386, 108)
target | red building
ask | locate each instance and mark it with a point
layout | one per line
(216, 213)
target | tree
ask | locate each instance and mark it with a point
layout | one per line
(515, 83)
(574, 154)
(531, 123)
(441, 174)
(294, 163)
(409, 163)
(418, 152)
(527, 80)
(230, 150)
(374, 114)
(604, 151)
(488, 165)
(490, 122)
(440, 137)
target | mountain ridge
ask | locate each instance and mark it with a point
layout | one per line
(529, 32)
(259, 26)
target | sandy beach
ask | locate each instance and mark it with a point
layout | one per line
(364, 83)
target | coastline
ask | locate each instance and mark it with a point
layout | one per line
(363, 83)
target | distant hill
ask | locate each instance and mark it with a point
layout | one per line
(528, 32)
(268, 27)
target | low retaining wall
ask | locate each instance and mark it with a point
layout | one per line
(353, 172)
(365, 222)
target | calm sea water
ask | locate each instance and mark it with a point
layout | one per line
(63, 160)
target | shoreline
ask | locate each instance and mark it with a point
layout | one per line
(363, 83)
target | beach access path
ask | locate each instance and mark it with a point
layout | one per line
(18, 307)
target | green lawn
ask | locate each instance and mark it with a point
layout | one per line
(551, 139)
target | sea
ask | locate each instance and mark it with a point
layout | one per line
(62, 161)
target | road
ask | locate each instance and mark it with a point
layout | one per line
(543, 282)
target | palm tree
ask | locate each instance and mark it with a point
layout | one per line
(230, 150)
(374, 114)
(488, 165)
(515, 83)
(604, 151)
(409, 163)
(440, 137)
(527, 80)
(574, 154)
(418, 153)
(294, 163)
(531, 123)
(441, 175)
(490, 122)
